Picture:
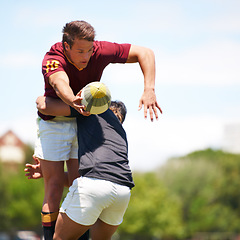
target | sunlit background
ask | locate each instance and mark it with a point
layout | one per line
(197, 49)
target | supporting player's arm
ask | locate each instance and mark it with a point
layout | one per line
(34, 171)
(52, 106)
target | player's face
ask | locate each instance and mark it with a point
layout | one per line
(80, 52)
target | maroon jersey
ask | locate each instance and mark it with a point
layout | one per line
(103, 53)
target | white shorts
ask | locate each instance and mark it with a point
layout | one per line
(56, 139)
(89, 199)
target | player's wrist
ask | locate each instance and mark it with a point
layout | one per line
(149, 89)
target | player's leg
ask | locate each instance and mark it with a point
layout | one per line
(53, 173)
(74, 219)
(68, 229)
(53, 143)
(72, 165)
(84, 203)
(112, 216)
(102, 231)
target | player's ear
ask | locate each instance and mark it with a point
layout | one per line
(66, 45)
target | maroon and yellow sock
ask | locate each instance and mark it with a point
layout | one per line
(48, 223)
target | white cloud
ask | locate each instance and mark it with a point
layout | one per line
(158, 16)
(215, 63)
(213, 60)
(41, 15)
(226, 17)
(123, 73)
(24, 126)
(20, 59)
(151, 144)
(185, 18)
(228, 23)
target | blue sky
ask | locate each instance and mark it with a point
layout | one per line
(197, 49)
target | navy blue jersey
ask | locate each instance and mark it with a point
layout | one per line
(103, 148)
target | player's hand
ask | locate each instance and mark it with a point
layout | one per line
(149, 101)
(77, 104)
(33, 171)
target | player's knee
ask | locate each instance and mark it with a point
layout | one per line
(56, 186)
(55, 190)
(56, 237)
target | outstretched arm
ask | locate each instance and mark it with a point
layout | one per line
(146, 59)
(60, 83)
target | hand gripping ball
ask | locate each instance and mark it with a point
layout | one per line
(96, 97)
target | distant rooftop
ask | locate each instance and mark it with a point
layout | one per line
(11, 148)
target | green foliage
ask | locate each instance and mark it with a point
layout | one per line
(152, 211)
(4, 199)
(21, 199)
(207, 183)
(26, 201)
(188, 195)
(28, 149)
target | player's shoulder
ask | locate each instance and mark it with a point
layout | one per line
(56, 49)
(100, 45)
(55, 55)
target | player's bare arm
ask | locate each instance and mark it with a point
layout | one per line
(52, 106)
(60, 83)
(146, 59)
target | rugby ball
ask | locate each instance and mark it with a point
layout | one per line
(96, 97)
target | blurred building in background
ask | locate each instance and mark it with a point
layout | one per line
(231, 138)
(11, 149)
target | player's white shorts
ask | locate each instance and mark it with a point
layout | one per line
(56, 139)
(89, 199)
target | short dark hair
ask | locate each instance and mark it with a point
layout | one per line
(79, 30)
(119, 110)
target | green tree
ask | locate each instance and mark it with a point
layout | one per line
(199, 180)
(228, 191)
(152, 211)
(21, 199)
(26, 196)
(4, 200)
(28, 149)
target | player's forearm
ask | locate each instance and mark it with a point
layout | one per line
(64, 92)
(60, 83)
(146, 59)
(147, 63)
(52, 106)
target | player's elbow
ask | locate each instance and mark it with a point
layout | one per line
(145, 54)
(149, 53)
